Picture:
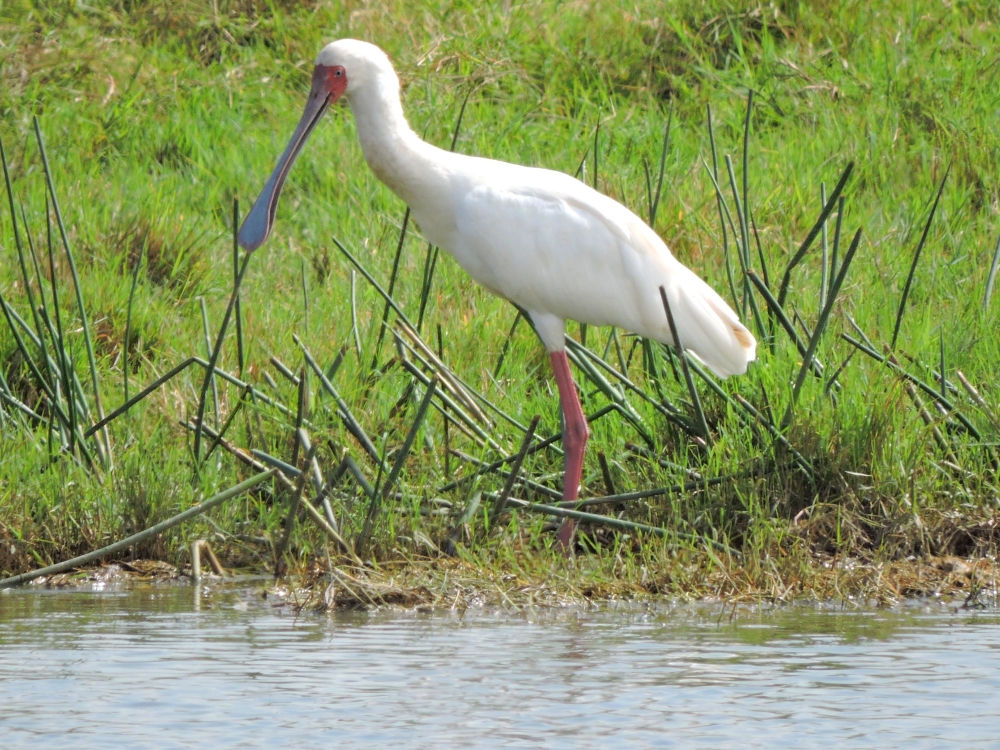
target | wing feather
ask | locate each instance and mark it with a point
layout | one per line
(550, 243)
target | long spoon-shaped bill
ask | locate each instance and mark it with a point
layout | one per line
(328, 84)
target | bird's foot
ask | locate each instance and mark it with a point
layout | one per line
(565, 535)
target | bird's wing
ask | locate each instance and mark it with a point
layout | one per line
(551, 244)
(534, 237)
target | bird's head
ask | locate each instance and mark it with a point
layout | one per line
(342, 69)
(364, 64)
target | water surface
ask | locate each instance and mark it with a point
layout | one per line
(151, 667)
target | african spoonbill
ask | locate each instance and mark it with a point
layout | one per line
(537, 237)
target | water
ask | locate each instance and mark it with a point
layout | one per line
(152, 668)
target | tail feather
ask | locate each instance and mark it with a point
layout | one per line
(709, 329)
(706, 325)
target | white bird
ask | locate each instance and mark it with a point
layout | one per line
(539, 238)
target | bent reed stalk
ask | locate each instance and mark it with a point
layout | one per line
(136, 538)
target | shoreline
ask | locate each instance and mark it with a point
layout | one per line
(432, 584)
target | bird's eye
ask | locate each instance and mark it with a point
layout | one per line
(339, 73)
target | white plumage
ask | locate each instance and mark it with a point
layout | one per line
(540, 238)
(588, 258)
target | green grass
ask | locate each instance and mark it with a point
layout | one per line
(157, 115)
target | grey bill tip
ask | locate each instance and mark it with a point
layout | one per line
(258, 223)
(255, 228)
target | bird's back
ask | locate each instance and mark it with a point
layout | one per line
(551, 244)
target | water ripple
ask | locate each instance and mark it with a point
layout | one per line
(145, 668)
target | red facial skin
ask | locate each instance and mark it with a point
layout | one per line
(330, 79)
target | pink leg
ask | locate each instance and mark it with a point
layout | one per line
(575, 436)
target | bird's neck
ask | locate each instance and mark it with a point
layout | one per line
(398, 157)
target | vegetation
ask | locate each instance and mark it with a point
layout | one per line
(832, 168)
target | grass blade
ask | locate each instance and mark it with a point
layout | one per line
(501, 502)
(41, 314)
(663, 164)
(617, 523)
(285, 468)
(977, 398)
(679, 346)
(214, 358)
(354, 315)
(392, 286)
(720, 204)
(928, 420)
(444, 412)
(240, 357)
(581, 167)
(450, 408)
(49, 388)
(609, 483)
(428, 358)
(820, 328)
(575, 352)
(779, 313)
(305, 290)
(916, 259)
(63, 361)
(331, 371)
(343, 410)
(597, 135)
(746, 162)
(649, 189)
(430, 263)
(760, 252)
(458, 122)
(128, 316)
(744, 243)
(293, 506)
(302, 413)
(832, 381)
(817, 227)
(548, 442)
(38, 275)
(208, 353)
(106, 448)
(664, 406)
(744, 254)
(450, 382)
(140, 396)
(20, 248)
(6, 397)
(282, 368)
(778, 437)
(506, 345)
(836, 242)
(944, 382)
(992, 277)
(379, 498)
(725, 215)
(229, 421)
(824, 267)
